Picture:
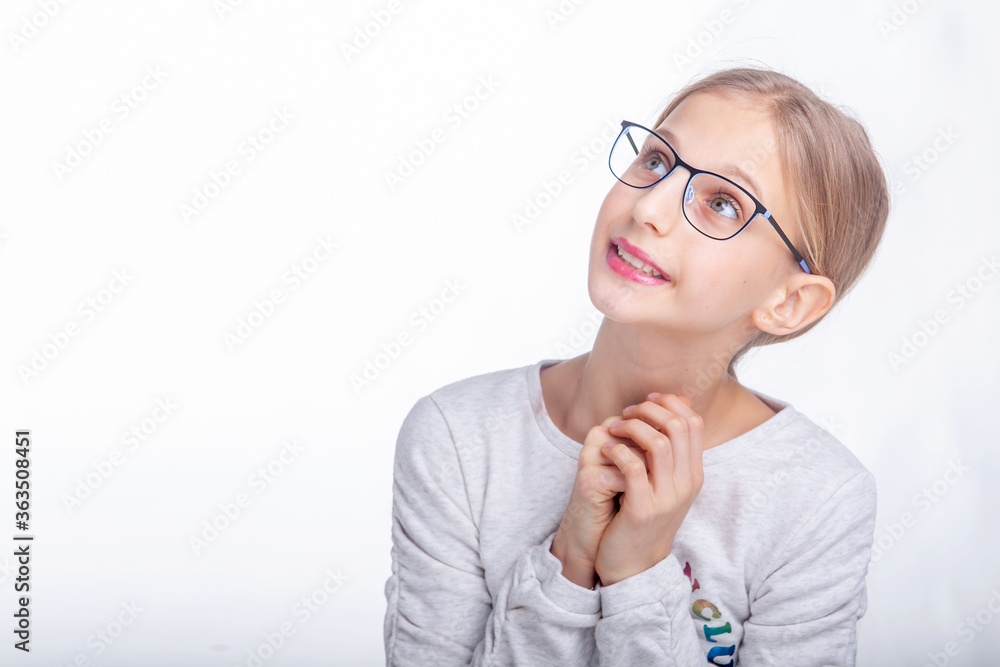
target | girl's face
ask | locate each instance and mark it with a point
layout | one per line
(712, 284)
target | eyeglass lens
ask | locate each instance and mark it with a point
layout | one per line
(712, 204)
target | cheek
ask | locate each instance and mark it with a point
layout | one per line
(722, 272)
(610, 210)
(617, 203)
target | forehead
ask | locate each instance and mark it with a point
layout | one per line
(730, 136)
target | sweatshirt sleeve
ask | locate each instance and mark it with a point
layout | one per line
(439, 610)
(804, 613)
(807, 609)
(646, 620)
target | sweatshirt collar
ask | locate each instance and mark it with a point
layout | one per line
(786, 413)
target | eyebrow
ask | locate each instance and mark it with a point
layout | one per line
(727, 167)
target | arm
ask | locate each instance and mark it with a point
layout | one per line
(646, 620)
(804, 612)
(440, 611)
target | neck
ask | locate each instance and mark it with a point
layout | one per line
(628, 362)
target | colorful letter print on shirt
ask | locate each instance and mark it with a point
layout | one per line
(703, 610)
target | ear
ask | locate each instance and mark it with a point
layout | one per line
(802, 299)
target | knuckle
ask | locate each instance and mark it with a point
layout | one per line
(652, 409)
(635, 468)
(677, 424)
(587, 484)
(643, 514)
(597, 436)
(589, 457)
(696, 422)
(690, 485)
(608, 477)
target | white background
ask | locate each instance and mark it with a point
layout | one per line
(559, 80)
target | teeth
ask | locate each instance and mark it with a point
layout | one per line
(638, 263)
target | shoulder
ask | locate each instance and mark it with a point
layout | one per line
(478, 393)
(443, 440)
(794, 443)
(460, 407)
(468, 390)
(805, 494)
(830, 476)
(802, 471)
(815, 451)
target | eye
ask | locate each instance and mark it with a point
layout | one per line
(653, 161)
(726, 205)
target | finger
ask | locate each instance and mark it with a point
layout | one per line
(697, 447)
(639, 433)
(597, 436)
(656, 446)
(652, 396)
(687, 459)
(679, 429)
(660, 432)
(634, 448)
(612, 478)
(636, 478)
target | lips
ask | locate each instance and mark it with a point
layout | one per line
(628, 270)
(638, 253)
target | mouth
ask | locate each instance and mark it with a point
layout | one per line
(631, 262)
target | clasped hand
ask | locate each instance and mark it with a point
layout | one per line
(653, 466)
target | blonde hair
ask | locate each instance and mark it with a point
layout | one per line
(838, 188)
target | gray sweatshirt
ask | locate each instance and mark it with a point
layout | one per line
(768, 567)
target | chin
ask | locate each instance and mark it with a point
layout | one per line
(615, 304)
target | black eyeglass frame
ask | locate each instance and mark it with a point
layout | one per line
(678, 162)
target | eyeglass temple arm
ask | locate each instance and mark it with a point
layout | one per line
(625, 124)
(798, 257)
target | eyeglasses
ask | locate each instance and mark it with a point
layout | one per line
(715, 206)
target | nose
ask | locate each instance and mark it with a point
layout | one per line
(661, 205)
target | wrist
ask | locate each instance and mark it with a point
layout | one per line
(579, 571)
(624, 569)
(582, 576)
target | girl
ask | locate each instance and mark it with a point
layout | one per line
(636, 505)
